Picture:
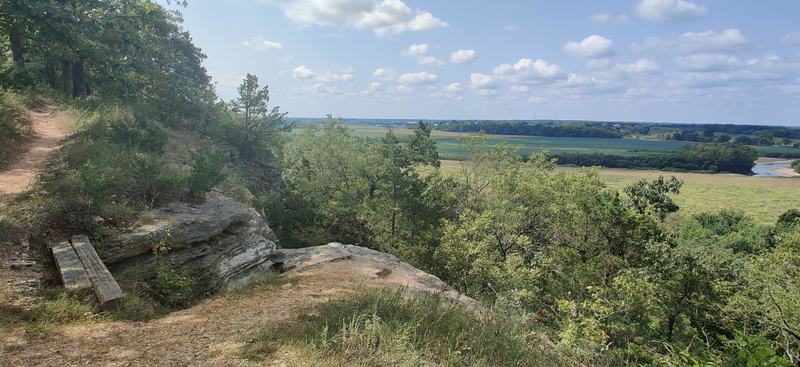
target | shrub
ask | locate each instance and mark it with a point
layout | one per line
(174, 288)
(15, 126)
(207, 171)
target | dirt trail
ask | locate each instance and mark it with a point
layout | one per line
(48, 126)
(211, 333)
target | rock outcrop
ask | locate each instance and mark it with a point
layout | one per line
(218, 242)
(367, 264)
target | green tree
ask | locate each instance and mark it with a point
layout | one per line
(261, 124)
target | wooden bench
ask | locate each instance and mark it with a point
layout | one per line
(87, 269)
(69, 266)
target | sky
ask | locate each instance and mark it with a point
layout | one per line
(716, 61)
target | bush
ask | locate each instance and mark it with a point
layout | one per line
(15, 126)
(174, 288)
(207, 171)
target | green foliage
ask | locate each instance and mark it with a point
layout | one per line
(652, 197)
(387, 328)
(65, 309)
(259, 126)
(15, 126)
(207, 170)
(174, 288)
(344, 188)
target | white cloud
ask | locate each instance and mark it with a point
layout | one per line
(453, 88)
(520, 88)
(605, 18)
(462, 56)
(420, 51)
(384, 74)
(729, 40)
(302, 72)
(430, 60)
(259, 43)
(669, 10)
(591, 47)
(535, 99)
(528, 71)
(417, 78)
(335, 77)
(640, 66)
(487, 92)
(481, 81)
(417, 50)
(384, 17)
(791, 39)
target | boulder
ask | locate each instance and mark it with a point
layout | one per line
(218, 242)
(368, 264)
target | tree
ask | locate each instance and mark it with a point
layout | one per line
(261, 125)
(421, 148)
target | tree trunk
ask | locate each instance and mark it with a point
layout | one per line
(66, 78)
(17, 49)
(78, 81)
(50, 70)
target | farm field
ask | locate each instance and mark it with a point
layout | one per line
(448, 143)
(762, 198)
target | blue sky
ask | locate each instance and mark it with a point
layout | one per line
(638, 60)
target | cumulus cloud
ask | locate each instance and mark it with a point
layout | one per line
(384, 17)
(669, 10)
(729, 40)
(384, 74)
(462, 56)
(527, 71)
(640, 66)
(417, 78)
(335, 77)
(453, 88)
(591, 47)
(259, 43)
(302, 72)
(520, 88)
(481, 81)
(605, 18)
(791, 39)
(420, 52)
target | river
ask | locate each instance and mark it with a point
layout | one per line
(774, 167)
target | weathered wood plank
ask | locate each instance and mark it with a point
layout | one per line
(69, 266)
(105, 287)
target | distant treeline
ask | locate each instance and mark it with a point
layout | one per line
(711, 157)
(742, 134)
(553, 129)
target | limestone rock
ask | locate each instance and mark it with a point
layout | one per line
(369, 264)
(217, 242)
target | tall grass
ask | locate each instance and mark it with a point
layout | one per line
(380, 328)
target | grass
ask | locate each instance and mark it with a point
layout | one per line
(762, 198)
(382, 328)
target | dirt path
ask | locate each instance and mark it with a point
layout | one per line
(211, 333)
(48, 125)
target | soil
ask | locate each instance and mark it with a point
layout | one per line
(212, 333)
(48, 126)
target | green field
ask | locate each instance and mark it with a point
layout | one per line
(448, 143)
(762, 198)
